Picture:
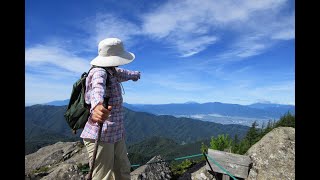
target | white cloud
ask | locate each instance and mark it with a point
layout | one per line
(53, 67)
(40, 55)
(108, 25)
(279, 92)
(191, 47)
(181, 25)
(191, 26)
(283, 87)
(284, 28)
(244, 47)
(284, 35)
(50, 72)
(105, 25)
(45, 88)
(176, 82)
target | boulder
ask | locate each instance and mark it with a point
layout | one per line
(273, 156)
(153, 171)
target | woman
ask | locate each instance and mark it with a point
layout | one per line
(112, 153)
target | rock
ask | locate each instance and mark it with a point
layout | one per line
(47, 159)
(197, 172)
(64, 171)
(274, 155)
(202, 174)
(154, 171)
(60, 161)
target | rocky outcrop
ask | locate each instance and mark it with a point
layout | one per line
(197, 172)
(153, 171)
(58, 161)
(274, 155)
(63, 160)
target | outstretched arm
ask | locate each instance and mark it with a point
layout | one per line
(126, 75)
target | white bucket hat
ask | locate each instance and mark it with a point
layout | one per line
(112, 53)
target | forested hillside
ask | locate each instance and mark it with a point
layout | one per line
(45, 124)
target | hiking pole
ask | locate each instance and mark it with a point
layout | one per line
(89, 176)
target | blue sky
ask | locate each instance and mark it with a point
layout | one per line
(226, 51)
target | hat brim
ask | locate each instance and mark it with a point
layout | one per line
(111, 61)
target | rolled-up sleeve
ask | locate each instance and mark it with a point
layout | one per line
(125, 75)
(98, 88)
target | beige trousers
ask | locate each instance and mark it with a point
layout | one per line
(111, 160)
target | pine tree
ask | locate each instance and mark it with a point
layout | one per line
(235, 144)
(221, 143)
(253, 134)
(243, 146)
(287, 120)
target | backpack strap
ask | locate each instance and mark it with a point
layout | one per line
(105, 68)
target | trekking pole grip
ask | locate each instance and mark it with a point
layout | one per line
(89, 176)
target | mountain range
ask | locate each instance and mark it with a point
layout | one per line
(217, 112)
(45, 124)
(257, 110)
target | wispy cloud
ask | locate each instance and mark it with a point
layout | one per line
(284, 28)
(232, 30)
(177, 82)
(279, 92)
(180, 24)
(283, 87)
(40, 55)
(52, 67)
(44, 88)
(191, 30)
(50, 72)
(243, 47)
(105, 25)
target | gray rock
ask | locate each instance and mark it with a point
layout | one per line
(154, 171)
(196, 172)
(274, 155)
(47, 159)
(64, 171)
(60, 161)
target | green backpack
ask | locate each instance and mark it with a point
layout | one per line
(78, 111)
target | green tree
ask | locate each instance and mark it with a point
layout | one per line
(235, 144)
(253, 134)
(179, 169)
(287, 120)
(263, 125)
(243, 147)
(221, 143)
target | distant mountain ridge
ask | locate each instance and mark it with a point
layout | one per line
(58, 103)
(256, 110)
(269, 105)
(214, 111)
(45, 124)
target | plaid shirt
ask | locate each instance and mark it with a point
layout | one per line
(96, 89)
